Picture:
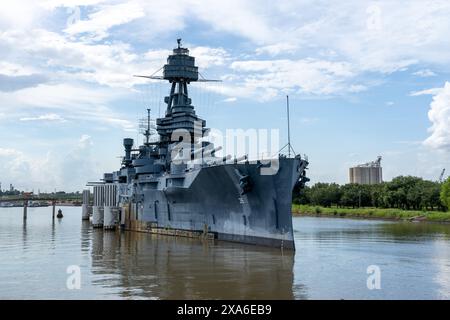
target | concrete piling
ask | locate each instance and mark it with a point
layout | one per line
(110, 211)
(85, 205)
(97, 208)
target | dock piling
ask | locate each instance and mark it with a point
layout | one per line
(97, 208)
(53, 209)
(110, 206)
(85, 206)
(25, 208)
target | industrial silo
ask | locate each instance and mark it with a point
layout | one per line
(367, 173)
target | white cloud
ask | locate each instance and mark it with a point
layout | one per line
(72, 102)
(14, 83)
(206, 57)
(333, 48)
(14, 69)
(52, 4)
(19, 14)
(439, 116)
(45, 117)
(276, 49)
(108, 64)
(243, 18)
(228, 100)
(371, 40)
(308, 120)
(265, 79)
(5, 152)
(370, 35)
(68, 170)
(126, 125)
(425, 73)
(13, 165)
(106, 17)
(21, 170)
(67, 97)
(78, 165)
(431, 91)
(85, 141)
(373, 35)
(409, 142)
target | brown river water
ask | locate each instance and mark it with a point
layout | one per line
(331, 261)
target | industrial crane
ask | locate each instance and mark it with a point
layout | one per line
(441, 177)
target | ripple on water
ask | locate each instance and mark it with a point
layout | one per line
(330, 262)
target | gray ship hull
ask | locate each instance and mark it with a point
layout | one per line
(209, 200)
(177, 185)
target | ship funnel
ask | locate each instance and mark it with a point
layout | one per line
(128, 144)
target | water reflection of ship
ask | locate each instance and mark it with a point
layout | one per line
(159, 267)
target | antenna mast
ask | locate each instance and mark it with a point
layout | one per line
(147, 130)
(288, 145)
(289, 127)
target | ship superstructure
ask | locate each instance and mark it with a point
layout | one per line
(177, 185)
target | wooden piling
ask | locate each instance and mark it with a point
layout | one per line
(25, 208)
(53, 210)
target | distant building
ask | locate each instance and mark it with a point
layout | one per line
(367, 173)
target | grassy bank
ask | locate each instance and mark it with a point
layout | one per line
(371, 213)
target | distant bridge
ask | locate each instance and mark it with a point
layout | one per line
(23, 198)
(26, 198)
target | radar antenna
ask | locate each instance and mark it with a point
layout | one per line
(202, 79)
(145, 127)
(147, 132)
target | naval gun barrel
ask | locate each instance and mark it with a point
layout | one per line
(198, 151)
(241, 158)
(214, 160)
(226, 158)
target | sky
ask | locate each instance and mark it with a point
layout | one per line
(364, 78)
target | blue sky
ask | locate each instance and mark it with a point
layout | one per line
(365, 78)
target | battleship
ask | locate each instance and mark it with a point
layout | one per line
(177, 185)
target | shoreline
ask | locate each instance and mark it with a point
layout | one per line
(321, 215)
(372, 214)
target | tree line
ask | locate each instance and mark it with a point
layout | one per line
(403, 192)
(57, 195)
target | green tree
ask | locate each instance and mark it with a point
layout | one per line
(321, 194)
(376, 195)
(403, 192)
(302, 195)
(430, 195)
(350, 195)
(445, 193)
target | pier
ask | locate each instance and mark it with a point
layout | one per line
(27, 200)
